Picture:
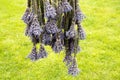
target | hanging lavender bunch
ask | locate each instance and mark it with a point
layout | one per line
(73, 69)
(42, 52)
(79, 16)
(58, 46)
(50, 11)
(35, 28)
(72, 32)
(81, 32)
(60, 35)
(46, 38)
(28, 16)
(68, 59)
(51, 27)
(60, 8)
(66, 6)
(33, 54)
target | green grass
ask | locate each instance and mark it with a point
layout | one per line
(100, 56)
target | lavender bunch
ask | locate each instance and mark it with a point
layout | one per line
(66, 6)
(72, 32)
(81, 32)
(73, 69)
(79, 16)
(46, 38)
(35, 28)
(60, 8)
(58, 46)
(51, 27)
(33, 54)
(50, 11)
(42, 52)
(68, 59)
(28, 16)
(60, 35)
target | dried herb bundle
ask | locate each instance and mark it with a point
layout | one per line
(53, 23)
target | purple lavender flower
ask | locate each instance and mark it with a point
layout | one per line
(35, 28)
(60, 8)
(72, 32)
(28, 16)
(81, 32)
(46, 38)
(79, 16)
(73, 69)
(58, 46)
(66, 6)
(42, 53)
(51, 27)
(33, 54)
(50, 10)
(68, 59)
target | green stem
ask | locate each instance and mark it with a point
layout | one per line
(42, 11)
(29, 3)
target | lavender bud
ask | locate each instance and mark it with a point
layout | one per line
(73, 69)
(66, 6)
(58, 46)
(71, 33)
(28, 16)
(68, 59)
(81, 32)
(79, 16)
(50, 11)
(42, 52)
(51, 27)
(46, 38)
(33, 54)
(35, 28)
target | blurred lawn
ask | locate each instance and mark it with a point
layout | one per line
(100, 56)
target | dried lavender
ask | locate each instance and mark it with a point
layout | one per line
(50, 11)
(81, 32)
(60, 35)
(58, 46)
(46, 38)
(28, 16)
(35, 28)
(33, 54)
(51, 27)
(79, 16)
(73, 69)
(66, 6)
(68, 59)
(60, 8)
(42, 52)
(72, 32)
(57, 31)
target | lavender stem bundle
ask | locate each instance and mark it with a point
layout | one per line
(53, 23)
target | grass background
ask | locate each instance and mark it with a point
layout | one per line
(100, 56)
